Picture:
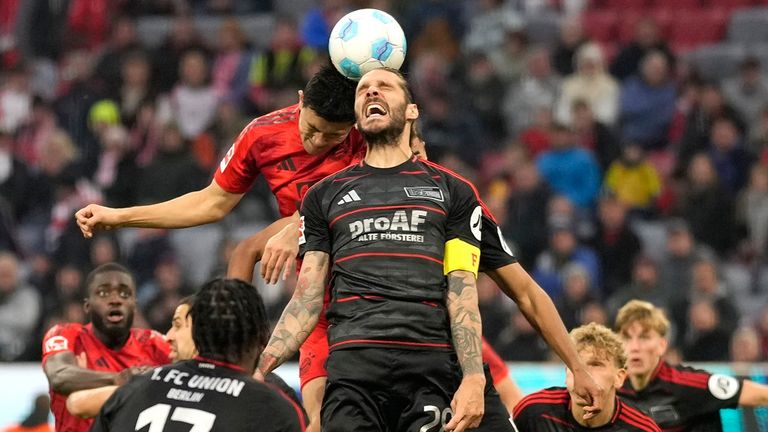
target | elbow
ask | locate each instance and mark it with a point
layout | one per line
(60, 385)
(73, 406)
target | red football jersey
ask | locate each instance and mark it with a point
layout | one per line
(499, 369)
(143, 347)
(271, 145)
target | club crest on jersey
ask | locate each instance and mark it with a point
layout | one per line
(426, 192)
(56, 343)
(476, 223)
(227, 158)
(394, 228)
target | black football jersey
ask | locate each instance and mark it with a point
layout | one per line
(550, 411)
(198, 395)
(681, 398)
(386, 230)
(494, 250)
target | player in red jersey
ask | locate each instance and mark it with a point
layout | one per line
(293, 148)
(105, 352)
(679, 398)
(507, 388)
(553, 409)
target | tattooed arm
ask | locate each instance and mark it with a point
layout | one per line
(300, 315)
(466, 328)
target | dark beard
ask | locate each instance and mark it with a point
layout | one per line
(115, 333)
(389, 136)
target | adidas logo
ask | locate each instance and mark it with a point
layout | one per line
(349, 197)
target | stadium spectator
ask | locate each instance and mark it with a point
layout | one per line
(729, 156)
(123, 41)
(577, 293)
(160, 296)
(569, 170)
(486, 95)
(748, 91)
(117, 173)
(616, 244)
(591, 83)
(648, 38)
(521, 342)
(681, 252)
(558, 409)
(706, 335)
(648, 103)
(644, 286)
(110, 348)
(182, 37)
(571, 39)
(37, 420)
(538, 89)
(752, 212)
(232, 63)
(675, 396)
(526, 207)
(745, 346)
(593, 135)
(510, 59)
(19, 309)
(633, 180)
(564, 249)
(706, 205)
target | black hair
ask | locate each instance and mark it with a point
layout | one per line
(331, 96)
(104, 268)
(228, 320)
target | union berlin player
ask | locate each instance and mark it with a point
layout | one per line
(105, 352)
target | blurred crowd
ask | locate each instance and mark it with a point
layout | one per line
(615, 171)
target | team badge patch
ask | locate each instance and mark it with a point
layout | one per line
(723, 387)
(476, 222)
(56, 343)
(426, 192)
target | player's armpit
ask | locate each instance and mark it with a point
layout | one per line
(753, 394)
(300, 315)
(65, 376)
(88, 403)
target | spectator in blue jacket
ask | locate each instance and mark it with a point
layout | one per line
(648, 103)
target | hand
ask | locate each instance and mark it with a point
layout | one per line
(93, 217)
(280, 254)
(468, 404)
(126, 374)
(587, 393)
(314, 425)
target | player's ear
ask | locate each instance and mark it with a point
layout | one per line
(301, 98)
(86, 305)
(411, 112)
(621, 375)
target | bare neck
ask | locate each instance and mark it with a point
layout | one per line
(388, 156)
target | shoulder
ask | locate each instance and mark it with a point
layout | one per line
(61, 337)
(269, 127)
(64, 329)
(633, 416)
(542, 400)
(683, 376)
(349, 173)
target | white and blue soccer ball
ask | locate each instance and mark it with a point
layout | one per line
(364, 40)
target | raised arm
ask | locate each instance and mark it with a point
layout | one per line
(300, 315)
(88, 403)
(195, 208)
(65, 376)
(753, 394)
(538, 308)
(276, 246)
(466, 328)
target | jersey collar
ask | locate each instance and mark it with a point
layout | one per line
(220, 363)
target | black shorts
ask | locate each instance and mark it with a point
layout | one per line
(396, 390)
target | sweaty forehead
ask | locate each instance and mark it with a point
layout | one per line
(112, 278)
(380, 76)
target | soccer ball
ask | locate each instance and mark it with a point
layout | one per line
(364, 40)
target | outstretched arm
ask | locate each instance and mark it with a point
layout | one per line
(195, 208)
(538, 308)
(300, 315)
(276, 246)
(753, 394)
(468, 403)
(65, 376)
(88, 403)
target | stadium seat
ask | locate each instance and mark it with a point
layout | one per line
(626, 5)
(626, 26)
(152, 30)
(748, 25)
(677, 4)
(715, 62)
(600, 25)
(692, 28)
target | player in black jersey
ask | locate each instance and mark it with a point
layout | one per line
(554, 410)
(213, 391)
(679, 398)
(404, 338)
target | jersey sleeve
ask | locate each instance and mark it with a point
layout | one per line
(60, 338)
(499, 369)
(314, 233)
(494, 251)
(704, 393)
(238, 169)
(463, 228)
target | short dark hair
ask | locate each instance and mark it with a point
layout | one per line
(104, 268)
(228, 320)
(331, 96)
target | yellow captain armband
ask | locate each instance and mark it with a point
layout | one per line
(460, 255)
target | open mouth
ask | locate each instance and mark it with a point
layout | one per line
(115, 316)
(375, 110)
